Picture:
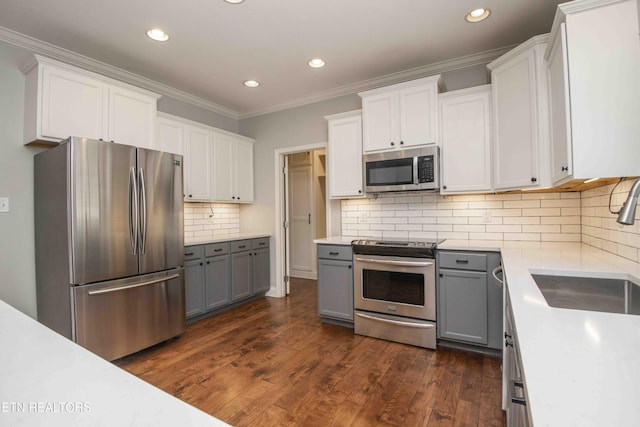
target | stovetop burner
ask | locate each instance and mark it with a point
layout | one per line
(419, 248)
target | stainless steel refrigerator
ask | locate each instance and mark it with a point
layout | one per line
(109, 245)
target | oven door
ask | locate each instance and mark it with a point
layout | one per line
(395, 285)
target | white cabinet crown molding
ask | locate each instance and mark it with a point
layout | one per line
(399, 86)
(41, 60)
(521, 48)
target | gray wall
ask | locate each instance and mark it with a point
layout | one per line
(197, 114)
(17, 253)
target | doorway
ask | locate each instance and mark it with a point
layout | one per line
(306, 214)
(282, 226)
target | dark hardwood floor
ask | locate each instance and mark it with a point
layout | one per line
(272, 362)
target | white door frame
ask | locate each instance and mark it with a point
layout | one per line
(279, 234)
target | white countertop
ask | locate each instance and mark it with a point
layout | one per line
(335, 240)
(581, 368)
(47, 380)
(224, 238)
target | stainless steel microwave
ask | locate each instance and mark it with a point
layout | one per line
(403, 170)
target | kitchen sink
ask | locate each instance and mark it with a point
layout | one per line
(590, 293)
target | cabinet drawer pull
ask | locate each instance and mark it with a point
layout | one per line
(189, 254)
(261, 243)
(242, 246)
(564, 169)
(334, 253)
(217, 250)
(519, 401)
(462, 261)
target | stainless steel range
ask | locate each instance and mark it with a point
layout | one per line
(395, 290)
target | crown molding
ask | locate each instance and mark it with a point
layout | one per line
(66, 56)
(60, 54)
(389, 79)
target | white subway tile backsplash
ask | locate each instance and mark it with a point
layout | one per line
(599, 226)
(204, 220)
(512, 218)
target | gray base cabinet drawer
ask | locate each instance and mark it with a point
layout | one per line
(463, 261)
(215, 249)
(192, 252)
(240, 245)
(260, 243)
(341, 252)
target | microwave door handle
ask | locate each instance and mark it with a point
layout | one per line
(394, 262)
(415, 170)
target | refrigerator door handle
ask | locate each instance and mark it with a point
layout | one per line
(137, 285)
(143, 212)
(133, 210)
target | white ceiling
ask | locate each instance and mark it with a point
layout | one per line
(215, 46)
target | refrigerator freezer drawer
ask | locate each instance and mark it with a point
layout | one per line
(119, 317)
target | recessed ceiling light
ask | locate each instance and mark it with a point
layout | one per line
(251, 83)
(316, 63)
(158, 35)
(477, 15)
(234, 1)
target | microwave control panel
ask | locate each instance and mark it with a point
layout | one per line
(426, 170)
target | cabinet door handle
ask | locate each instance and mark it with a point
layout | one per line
(217, 250)
(534, 179)
(444, 187)
(200, 263)
(564, 168)
(359, 191)
(349, 267)
(401, 142)
(393, 143)
(190, 196)
(462, 261)
(189, 254)
(208, 262)
(309, 219)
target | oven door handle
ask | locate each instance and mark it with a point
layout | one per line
(394, 262)
(397, 322)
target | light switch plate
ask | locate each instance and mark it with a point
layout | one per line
(4, 204)
(486, 216)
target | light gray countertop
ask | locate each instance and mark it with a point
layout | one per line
(47, 380)
(224, 238)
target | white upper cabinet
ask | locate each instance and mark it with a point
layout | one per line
(218, 165)
(63, 101)
(132, 117)
(170, 135)
(243, 173)
(198, 164)
(594, 85)
(465, 140)
(520, 117)
(71, 104)
(232, 168)
(344, 155)
(401, 115)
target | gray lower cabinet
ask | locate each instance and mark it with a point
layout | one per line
(194, 280)
(216, 275)
(219, 274)
(335, 282)
(469, 306)
(261, 270)
(241, 266)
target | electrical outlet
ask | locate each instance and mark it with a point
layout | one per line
(486, 216)
(4, 204)
(364, 216)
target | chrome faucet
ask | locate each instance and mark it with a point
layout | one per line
(627, 214)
